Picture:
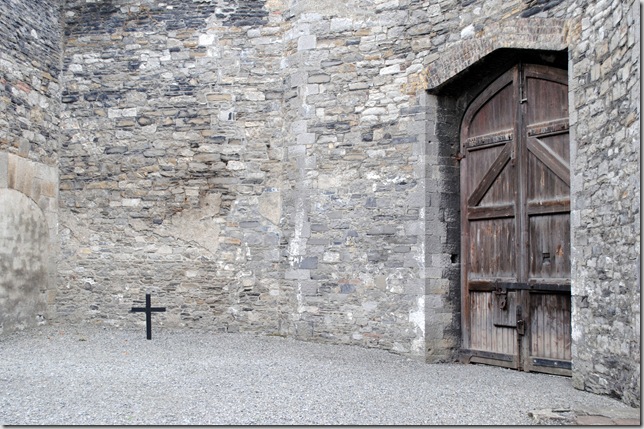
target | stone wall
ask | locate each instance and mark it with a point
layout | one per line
(355, 164)
(171, 174)
(605, 118)
(30, 60)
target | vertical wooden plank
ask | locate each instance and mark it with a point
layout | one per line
(561, 327)
(513, 342)
(521, 219)
(474, 341)
(537, 319)
(490, 314)
(556, 328)
(549, 328)
(476, 321)
(536, 324)
(494, 343)
(521, 163)
(477, 330)
(489, 327)
(501, 333)
(545, 326)
(483, 324)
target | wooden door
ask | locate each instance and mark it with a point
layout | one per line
(515, 222)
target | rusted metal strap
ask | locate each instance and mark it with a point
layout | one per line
(552, 363)
(549, 287)
(492, 286)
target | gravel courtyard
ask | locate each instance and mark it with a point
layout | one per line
(86, 375)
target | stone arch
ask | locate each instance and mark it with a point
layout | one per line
(24, 261)
(546, 34)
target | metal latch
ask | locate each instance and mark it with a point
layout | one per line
(520, 321)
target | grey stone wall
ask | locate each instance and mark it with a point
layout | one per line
(170, 173)
(30, 60)
(605, 111)
(354, 214)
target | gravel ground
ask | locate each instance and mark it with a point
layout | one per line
(105, 376)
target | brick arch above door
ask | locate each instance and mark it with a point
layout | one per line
(545, 34)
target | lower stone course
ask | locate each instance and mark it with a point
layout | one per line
(587, 417)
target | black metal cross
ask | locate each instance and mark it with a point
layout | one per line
(148, 314)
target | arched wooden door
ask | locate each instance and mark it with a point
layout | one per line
(515, 222)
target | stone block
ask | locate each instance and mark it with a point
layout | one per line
(356, 86)
(309, 288)
(393, 69)
(299, 274)
(304, 329)
(306, 138)
(308, 263)
(347, 288)
(219, 97)
(340, 24)
(249, 224)
(306, 42)
(319, 78)
(382, 230)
